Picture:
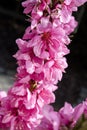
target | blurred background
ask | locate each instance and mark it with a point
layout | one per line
(73, 87)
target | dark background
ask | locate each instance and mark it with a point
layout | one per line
(73, 87)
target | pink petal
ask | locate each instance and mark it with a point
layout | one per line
(30, 67)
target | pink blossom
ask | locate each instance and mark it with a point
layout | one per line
(53, 69)
(28, 4)
(69, 116)
(78, 112)
(32, 4)
(20, 117)
(63, 11)
(22, 45)
(18, 113)
(45, 97)
(36, 8)
(70, 27)
(30, 66)
(64, 14)
(23, 105)
(49, 40)
(66, 114)
(79, 2)
(33, 91)
(74, 4)
(29, 34)
(50, 121)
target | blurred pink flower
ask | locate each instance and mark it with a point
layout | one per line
(50, 121)
(49, 40)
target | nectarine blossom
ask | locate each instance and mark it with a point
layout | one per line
(41, 63)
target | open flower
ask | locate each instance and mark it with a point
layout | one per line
(49, 40)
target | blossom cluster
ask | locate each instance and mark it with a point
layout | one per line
(41, 64)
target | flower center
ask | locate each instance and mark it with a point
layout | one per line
(46, 36)
(33, 85)
(15, 111)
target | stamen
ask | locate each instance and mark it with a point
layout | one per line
(33, 85)
(46, 36)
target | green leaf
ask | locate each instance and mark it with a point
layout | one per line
(81, 124)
